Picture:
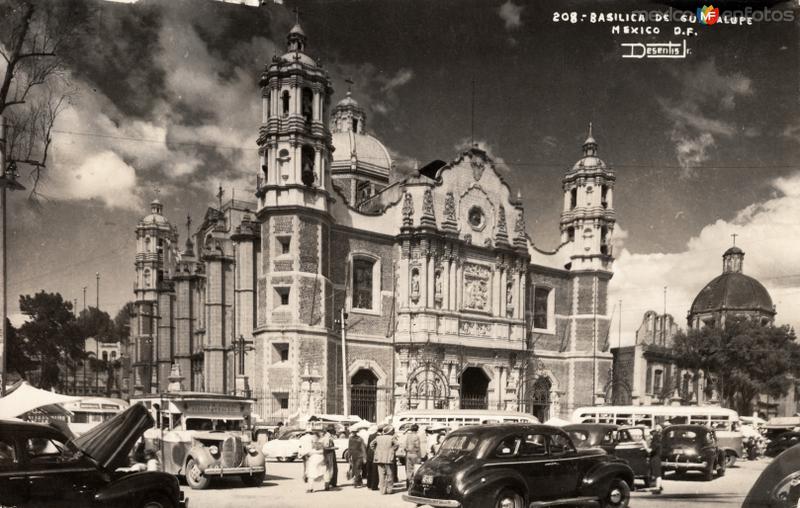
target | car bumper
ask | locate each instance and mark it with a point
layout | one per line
(224, 471)
(684, 465)
(183, 501)
(437, 503)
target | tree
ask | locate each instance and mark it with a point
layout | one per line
(96, 323)
(20, 358)
(744, 358)
(122, 323)
(50, 335)
(35, 36)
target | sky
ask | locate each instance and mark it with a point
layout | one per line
(167, 104)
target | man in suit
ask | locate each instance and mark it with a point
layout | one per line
(384, 446)
(357, 451)
(413, 452)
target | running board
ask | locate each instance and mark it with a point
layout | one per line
(581, 501)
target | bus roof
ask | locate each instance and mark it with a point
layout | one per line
(461, 412)
(658, 410)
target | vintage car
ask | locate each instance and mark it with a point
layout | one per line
(40, 466)
(687, 448)
(782, 443)
(518, 465)
(778, 485)
(286, 447)
(593, 435)
(626, 443)
(201, 436)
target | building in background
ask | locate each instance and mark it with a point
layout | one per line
(445, 299)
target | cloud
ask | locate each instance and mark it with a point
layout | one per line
(375, 90)
(767, 232)
(510, 13)
(402, 77)
(105, 177)
(491, 152)
(700, 115)
(792, 132)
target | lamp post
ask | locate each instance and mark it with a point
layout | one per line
(8, 181)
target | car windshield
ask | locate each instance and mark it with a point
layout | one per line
(681, 435)
(211, 424)
(579, 437)
(458, 444)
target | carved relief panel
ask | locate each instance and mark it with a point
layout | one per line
(477, 280)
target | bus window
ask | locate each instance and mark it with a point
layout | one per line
(698, 419)
(679, 420)
(624, 419)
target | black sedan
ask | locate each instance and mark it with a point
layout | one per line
(593, 435)
(687, 448)
(781, 443)
(517, 466)
(40, 466)
(778, 486)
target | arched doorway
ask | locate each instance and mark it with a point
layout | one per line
(364, 394)
(474, 388)
(540, 399)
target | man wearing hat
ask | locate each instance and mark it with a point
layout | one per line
(357, 450)
(329, 452)
(385, 445)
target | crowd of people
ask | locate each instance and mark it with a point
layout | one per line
(373, 456)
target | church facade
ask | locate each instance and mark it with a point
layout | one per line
(340, 281)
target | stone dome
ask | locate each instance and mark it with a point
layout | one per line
(733, 291)
(155, 217)
(362, 149)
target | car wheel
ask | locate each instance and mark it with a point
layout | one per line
(254, 480)
(730, 459)
(618, 494)
(508, 498)
(194, 477)
(156, 501)
(290, 459)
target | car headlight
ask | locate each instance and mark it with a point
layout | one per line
(213, 450)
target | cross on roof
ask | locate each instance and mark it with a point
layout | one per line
(189, 224)
(220, 193)
(296, 11)
(156, 191)
(350, 83)
(734, 235)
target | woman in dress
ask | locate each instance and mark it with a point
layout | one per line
(329, 452)
(372, 468)
(315, 463)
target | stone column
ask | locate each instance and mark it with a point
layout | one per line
(496, 290)
(423, 275)
(430, 282)
(520, 309)
(164, 339)
(503, 290)
(459, 285)
(445, 280)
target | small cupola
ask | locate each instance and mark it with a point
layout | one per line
(296, 40)
(732, 260)
(590, 145)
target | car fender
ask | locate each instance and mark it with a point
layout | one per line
(484, 482)
(596, 478)
(201, 456)
(254, 459)
(131, 487)
(733, 451)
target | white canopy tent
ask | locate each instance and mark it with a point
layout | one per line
(26, 398)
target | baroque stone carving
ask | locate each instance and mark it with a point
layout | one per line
(475, 328)
(502, 228)
(408, 209)
(476, 287)
(415, 285)
(428, 217)
(450, 207)
(478, 165)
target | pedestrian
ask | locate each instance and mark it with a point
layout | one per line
(305, 443)
(357, 451)
(655, 459)
(372, 468)
(314, 460)
(437, 445)
(413, 453)
(385, 445)
(329, 449)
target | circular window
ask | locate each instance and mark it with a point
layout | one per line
(476, 218)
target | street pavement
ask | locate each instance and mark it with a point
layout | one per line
(284, 488)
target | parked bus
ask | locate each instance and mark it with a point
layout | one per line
(86, 413)
(455, 418)
(725, 422)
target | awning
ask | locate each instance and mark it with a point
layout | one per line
(26, 398)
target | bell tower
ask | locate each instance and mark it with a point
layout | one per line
(588, 217)
(294, 141)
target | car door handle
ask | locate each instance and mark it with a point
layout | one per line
(17, 478)
(551, 463)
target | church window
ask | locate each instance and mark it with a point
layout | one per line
(658, 380)
(147, 244)
(146, 278)
(604, 196)
(307, 100)
(282, 400)
(571, 234)
(113, 355)
(573, 198)
(280, 352)
(285, 103)
(355, 125)
(269, 104)
(105, 356)
(541, 307)
(308, 176)
(282, 294)
(362, 283)
(476, 218)
(283, 163)
(285, 243)
(604, 249)
(363, 191)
